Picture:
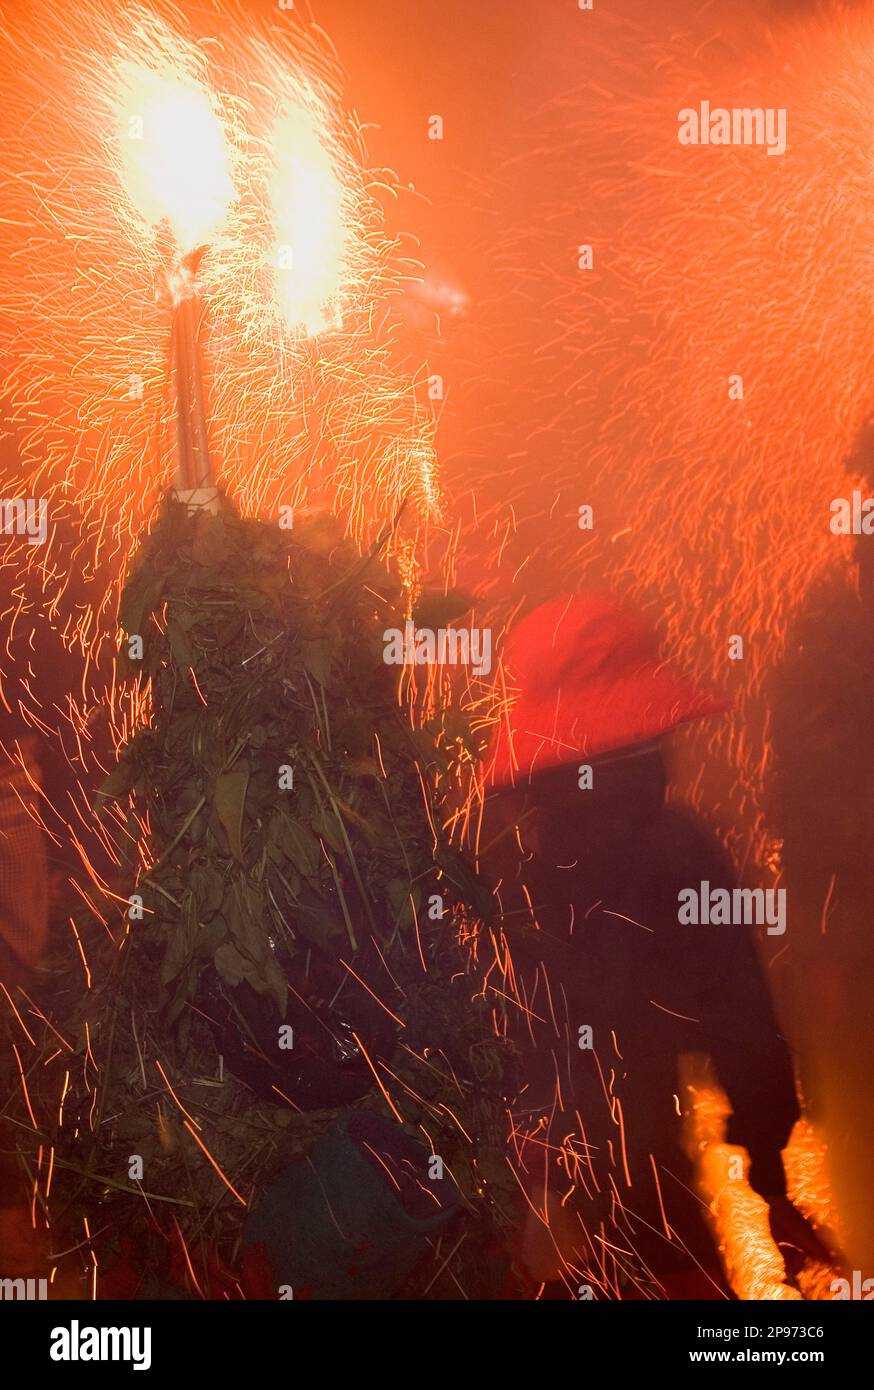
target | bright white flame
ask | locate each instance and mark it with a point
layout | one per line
(176, 161)
(310, 246)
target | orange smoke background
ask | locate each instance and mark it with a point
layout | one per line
(559, 386)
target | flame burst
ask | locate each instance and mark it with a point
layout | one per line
(186, 133)
(310, 247)
(175, 158)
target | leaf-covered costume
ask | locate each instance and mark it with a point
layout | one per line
(294, 904)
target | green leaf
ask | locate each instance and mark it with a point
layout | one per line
(245, 917)
(140, 597)
(208, 888)
(326, 824)
(180, 646)
(274, 984)
(297, 842)
(208, 743)
(184, 988)
(318, 656)
(232, 967)
(180, 947)
(230, 804)
(119, 782)
(210, 937)
(265, 979)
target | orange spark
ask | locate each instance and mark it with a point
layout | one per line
(166, 1081)
(17, 1014)
(388, 1100)
(24, 1087)
(229, 1185)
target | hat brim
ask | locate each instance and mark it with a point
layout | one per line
(615, 714)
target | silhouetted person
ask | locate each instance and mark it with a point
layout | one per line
(823, 810)
(590, 864)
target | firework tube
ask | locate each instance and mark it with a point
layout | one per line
(194, 477)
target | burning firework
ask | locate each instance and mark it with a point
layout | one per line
(226, 197)
(153, 168)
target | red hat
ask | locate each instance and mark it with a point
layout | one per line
(591, 681)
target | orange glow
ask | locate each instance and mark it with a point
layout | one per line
(176, 164)
(310, 248)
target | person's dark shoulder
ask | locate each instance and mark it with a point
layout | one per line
(680, 850)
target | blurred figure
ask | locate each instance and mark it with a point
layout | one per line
(823, 810)
(588, 863)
